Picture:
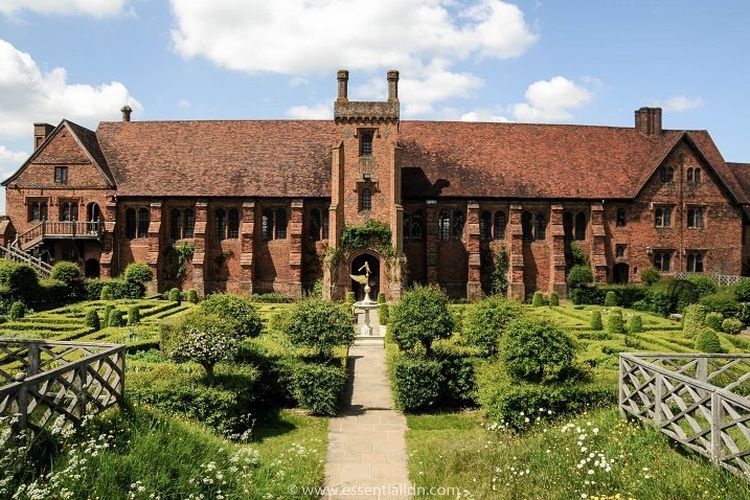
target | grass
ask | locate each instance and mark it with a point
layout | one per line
(458, 450)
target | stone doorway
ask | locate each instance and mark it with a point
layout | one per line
(374, 263)
(620, 273)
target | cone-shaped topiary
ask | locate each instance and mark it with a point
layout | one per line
(635, 324)
(107, 314)
(134, 316)
(383, 314)
(596, 320)
(105, 294)
(92, 319)
(610, 300)
(694, 317)
(614, 323)
(538, 299)
(117, 318)
(554, 299)
(706, 340)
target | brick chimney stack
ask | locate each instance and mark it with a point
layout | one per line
(126, 110)
(343, 78)
(41, 132)
(393, 85)
(648, 121)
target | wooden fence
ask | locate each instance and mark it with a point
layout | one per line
(700, 400)
(43, 380)
(721, 279)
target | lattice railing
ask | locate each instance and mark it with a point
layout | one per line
(697, 399)
(721, 279)
(43, 380)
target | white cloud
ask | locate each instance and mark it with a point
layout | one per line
(10, 161)
(28, 95)
(320, 111)
(422, 38)
(183, 103)
(96, 8)
(482, 115)
(551, 100)
(681, 103)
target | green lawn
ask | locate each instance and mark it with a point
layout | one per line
(458, 450)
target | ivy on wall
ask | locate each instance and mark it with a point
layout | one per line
(176, 257)
(373, 234)
(499, 278)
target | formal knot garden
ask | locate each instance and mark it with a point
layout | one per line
(617, 392)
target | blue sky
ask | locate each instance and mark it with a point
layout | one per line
(569, 61)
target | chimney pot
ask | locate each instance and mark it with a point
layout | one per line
(41, 132)
(393, 85)
(648, 121)
(343, 77)
(126, 110)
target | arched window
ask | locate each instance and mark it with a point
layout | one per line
(188, 223)
(417, 225)
(568, 225)
(527, 225)
(221, 224)
(315, 225)
(281, 221)
(175, 224)
(485, 226)
(696, 175)
(266, 224)
(69, 211)
(233, 232)
(130, 223)
(143, 221)
(667, 174)
(459, 219)
(540, 232)
(662, 216)
(580, 229)
(324, 234)
(689, 174)
(444, 225)
(621, 218)
(365, 199)
(500, 223)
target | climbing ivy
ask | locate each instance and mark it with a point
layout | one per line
(500, 272)
(178, 254)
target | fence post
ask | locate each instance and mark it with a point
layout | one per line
(33, 359)
(717, 414)
(701, 372)
(659, 396)
(621, 389)
(82, 389)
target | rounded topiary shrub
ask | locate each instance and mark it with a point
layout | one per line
(92, 319)
(174, 295)
(319, 324)
(596, 320)
(713, 320)
(117, 318)
(417, 382)
(317, 387)
(138, 272)
(615, 323)
(635, 324)
(610, 300)
(192, 296)
(67, 272)
(706, 340)
(106, 293)
(731, 325)
(579, 276)
(693, 318)
(17, 311)
(650, 276)
(554, 299)
(742, 290)
(538, 299)
(486, 321)
(420, 317)
(19, 280)
(236, 309)
(536, 351)
(134, 316)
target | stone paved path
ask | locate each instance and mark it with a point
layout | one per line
(366, 443)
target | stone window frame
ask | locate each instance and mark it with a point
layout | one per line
(321, 231)
(695, 259)
(693, 175)
(580, 225)
(366, 136)
(662, 260)
(68, 209)
(663, 216)
(621, 217)
(270, 229)
(414, 224)
(666, 173)
(42, 203)
(534, 225)
(134, 228)
(63, 172)
(499, 225)
(698, 215)
(226, 221)
(185, 228)
(485, 225)
(620, 256)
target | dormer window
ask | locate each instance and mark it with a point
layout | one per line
(365, 142)
(61, 175)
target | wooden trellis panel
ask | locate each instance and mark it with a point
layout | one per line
(692, 399)
(43, 380)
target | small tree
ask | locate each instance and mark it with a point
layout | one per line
(320, 325)
(706, 340)
(538, 299)
(106, 293)
(108, 313)
(239, 311)
(134, 316)
(536, 351)
(67, 272)
(635, 324)
(554, 299)
(206, 339)
(486, 321)
(693, 318)
(92, 319)
(610, 300)
(731, 325)
(713, 320)
(117, 318)
(650, 276)
(421, 317)
(138, 272)
(742, 290)
(596, 320)
(579, 276)
(615, 323)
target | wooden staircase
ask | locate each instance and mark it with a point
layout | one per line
(17, 255)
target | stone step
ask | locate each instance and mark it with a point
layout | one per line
(369, 340)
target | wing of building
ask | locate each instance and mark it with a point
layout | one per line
(266, 205)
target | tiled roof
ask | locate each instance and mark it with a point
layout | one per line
(742, 173)
(283, 158)
(91, 144)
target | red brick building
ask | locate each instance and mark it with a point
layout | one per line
(261, 206)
